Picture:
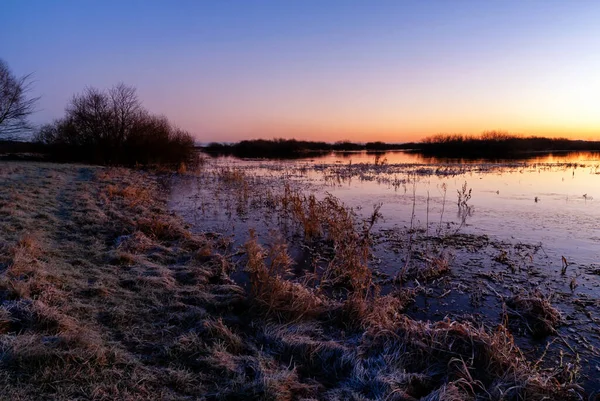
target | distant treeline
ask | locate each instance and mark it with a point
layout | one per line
(498, 144)
(492, 144)
(292, 148)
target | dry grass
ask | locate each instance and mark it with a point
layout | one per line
(331, 221)
(84, 292)
(271, 291)
(105, 295)
(536, 312)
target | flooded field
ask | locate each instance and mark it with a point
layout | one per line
(513, 242)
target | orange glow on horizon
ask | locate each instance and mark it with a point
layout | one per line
(392, 134)
(386, 118)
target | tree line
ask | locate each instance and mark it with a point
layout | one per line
(495, 144)
(293, 148)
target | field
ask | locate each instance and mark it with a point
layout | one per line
(106, 294)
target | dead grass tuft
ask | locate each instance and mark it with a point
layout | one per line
(133, 195)
(161, 229)
(434, 268)
(535, 311)
(272, 293)
(136, 243)
(448, 392)
(219, 331)
(477, 361)
(6, 320)
(23, 255)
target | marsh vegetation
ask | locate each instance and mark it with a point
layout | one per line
(327, 239)
(108, 295)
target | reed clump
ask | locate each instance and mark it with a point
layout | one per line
(330, 221)
(272, 293)
(231, 175)
(305, 210)
(535, 311)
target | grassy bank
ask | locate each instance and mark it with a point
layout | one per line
(106, 295)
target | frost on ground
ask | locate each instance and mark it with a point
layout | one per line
(106, 295)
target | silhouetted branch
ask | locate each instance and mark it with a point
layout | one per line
(15, 105)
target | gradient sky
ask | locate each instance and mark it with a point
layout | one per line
(316, 69)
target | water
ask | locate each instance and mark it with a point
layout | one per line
(553, 200)
(524, 220)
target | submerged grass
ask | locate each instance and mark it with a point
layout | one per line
(106, 295)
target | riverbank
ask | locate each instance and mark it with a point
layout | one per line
(107, 295)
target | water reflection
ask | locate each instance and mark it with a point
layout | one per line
(401, 157)
(545, 198)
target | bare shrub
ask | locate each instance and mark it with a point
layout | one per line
(112, 127)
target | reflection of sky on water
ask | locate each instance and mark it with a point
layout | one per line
(565, 218)
(407, 157)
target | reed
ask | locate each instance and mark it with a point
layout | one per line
(272, 293)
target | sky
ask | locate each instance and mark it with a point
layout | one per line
(394, 71)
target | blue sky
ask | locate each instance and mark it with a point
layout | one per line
(359, 70)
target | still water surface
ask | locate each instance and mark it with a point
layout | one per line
(549, 199)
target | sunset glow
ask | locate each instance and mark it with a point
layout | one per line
(387, 70)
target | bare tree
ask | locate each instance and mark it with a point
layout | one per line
(105, 117)
(126, 110)
(15, 105)
(90, 113)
